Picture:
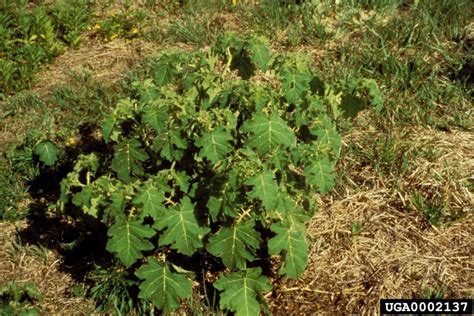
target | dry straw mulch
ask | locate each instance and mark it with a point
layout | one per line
(40, 266)
(107, 62)
(398, 253)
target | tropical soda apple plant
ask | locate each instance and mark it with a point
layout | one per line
(216, 158)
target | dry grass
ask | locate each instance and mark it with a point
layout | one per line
(41, 267)
(394, 252)
(108, 62)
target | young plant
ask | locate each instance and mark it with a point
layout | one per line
(213, 163)
(14, 299)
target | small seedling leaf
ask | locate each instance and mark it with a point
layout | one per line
(47, 152)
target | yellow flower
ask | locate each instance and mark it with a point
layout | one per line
(72, 141)
(234, 2)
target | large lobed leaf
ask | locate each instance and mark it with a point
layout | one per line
(320, 174)
(164, 70)
(47, 152)
(182, 230)
(156, 117)
(264, 188)
(327, 136)
(215, 145)
(129, 239)
(170, 144)
(151, 196)
(294, 85)
(240, 291)
(223, 200)
(128, 158)
(235, 245)
(110, 122)
(267, 133)
(290, 239)
(259, 52)
(161, 286)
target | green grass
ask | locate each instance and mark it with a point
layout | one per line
(62, 113)
(414, 55)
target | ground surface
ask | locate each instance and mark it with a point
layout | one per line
(398, 224)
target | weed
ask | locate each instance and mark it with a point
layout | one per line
(14, 298)
(33, 36)
(356, 228)
(418, 51)
(434, 211)
(193, 153)
(112, 292)
(124, 24)
(439, 292)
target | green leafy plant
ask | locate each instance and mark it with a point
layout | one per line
(123, 24)
(213, 163)
(14, 297)
(33, 35)
(21, 164)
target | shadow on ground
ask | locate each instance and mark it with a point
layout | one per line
(79, 239)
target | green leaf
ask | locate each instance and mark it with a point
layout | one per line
(181, 180)
(86, 200)
(128, 240)
(215, 145)
(148, 91)
(294, 84)
(327, 136)
(118, 204)
(259, 96)
(128, 158)
(292, 242)
(264, 189)
(47, 152)
(156, 117)
(26, 312)
(164, 72)
(268, 133)
(214, 204)
(259, 53)
(235, 245)
(151, 196)
(375, 93)
(228, 40)
(240, 291)
(108, 126)
(169, 144)
(223, 204)
(222, 200)
(351, 105)
(287, 208)
(164, 288)
(319, 173)
(182, 230)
